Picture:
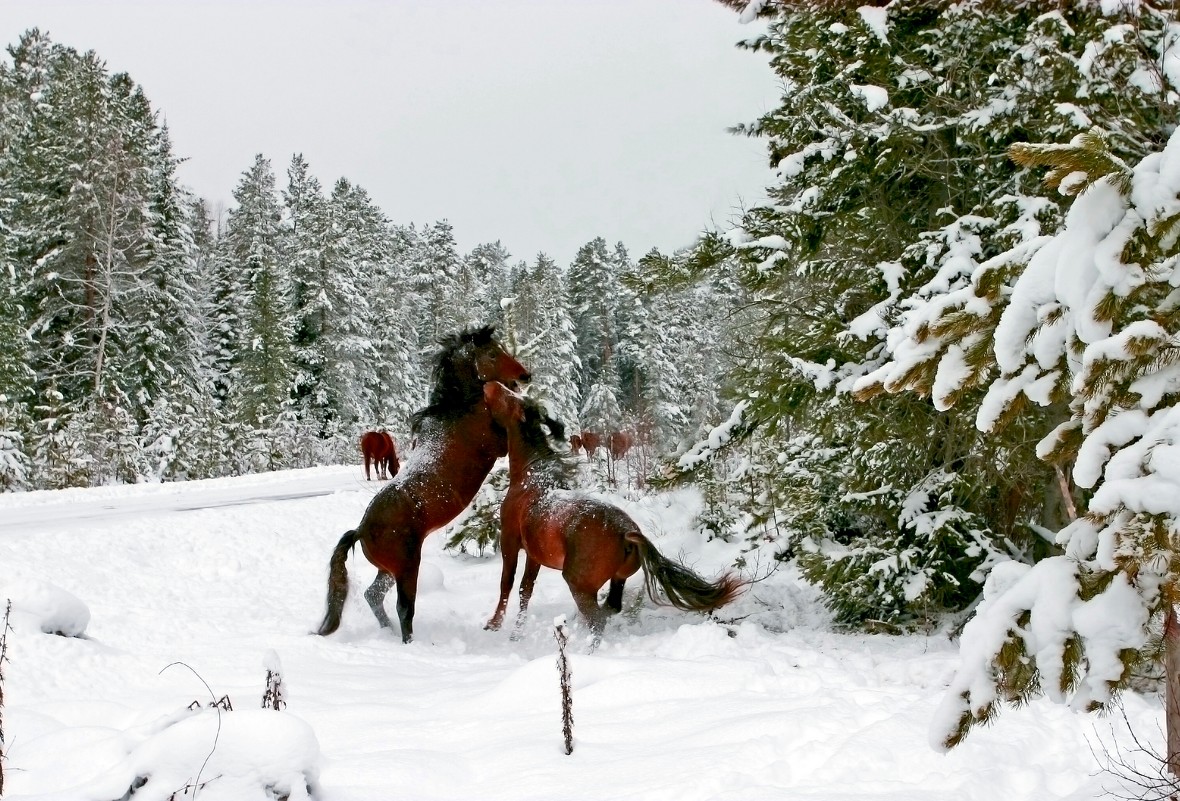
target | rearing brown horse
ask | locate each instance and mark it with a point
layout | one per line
(589, 540)
(455, 445)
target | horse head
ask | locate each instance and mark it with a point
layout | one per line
(477, 356)
(466, 362)
(514, 411)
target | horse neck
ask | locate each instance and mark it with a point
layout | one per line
(524, 460)
(456, 384)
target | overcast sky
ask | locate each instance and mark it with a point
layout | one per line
(541, 123)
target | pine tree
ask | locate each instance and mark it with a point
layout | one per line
(436, 273)
(358, 241)
(890, 192)
(260, 396)
(542, 334)
(305, 229)
(1091, 313)
(486, 280)
(402, 384)
(594, 292)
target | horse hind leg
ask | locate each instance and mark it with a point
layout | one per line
(587, 603)
(614, 596)
(407, 592)
(375, 595)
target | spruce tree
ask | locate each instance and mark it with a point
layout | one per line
(305, 230)
(542, 334)
(167, 343)
(593, 284)
(885, 145)
(357, 242)
(260, 285)
(1091, 315)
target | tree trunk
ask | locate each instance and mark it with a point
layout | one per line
(1172, 689)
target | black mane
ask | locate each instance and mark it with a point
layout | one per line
(456, 387)
(540, 442)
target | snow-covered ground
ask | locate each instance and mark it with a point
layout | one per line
(767, 703)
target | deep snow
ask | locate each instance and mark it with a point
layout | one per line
(768, 702)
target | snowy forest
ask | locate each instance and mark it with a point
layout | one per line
(144, 340)
(943, 349)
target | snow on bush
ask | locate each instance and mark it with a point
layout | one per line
(40, 606)
(1095, 309)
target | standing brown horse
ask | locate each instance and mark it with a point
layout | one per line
(455, 445)
(378, 448)
(619, 442)
(589, 540)
(590, 442)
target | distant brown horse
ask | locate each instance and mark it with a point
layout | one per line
(378, 448)
(575, 443)
(589, 540)
(618, 443)
(455, 444)
(590, 442)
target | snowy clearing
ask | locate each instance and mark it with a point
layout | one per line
(768, 703)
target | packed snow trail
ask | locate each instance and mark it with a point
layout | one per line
(767, 703)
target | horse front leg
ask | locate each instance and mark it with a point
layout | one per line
(510, 554)
(527, 580)
(375, 595)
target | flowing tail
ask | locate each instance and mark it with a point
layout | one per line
(669, 582)
(337, 583)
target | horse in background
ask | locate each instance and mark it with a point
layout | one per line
(575, 443)
(379, 449)
(619, 443)
(589, 540)
(590, 442)
(455, 443)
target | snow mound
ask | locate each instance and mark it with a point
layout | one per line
(43, 606)
(243, 755)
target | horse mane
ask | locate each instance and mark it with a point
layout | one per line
(453, 391)
(539, 431)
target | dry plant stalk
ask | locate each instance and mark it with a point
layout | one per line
(5, 627)
(567, 699)
(273, 697)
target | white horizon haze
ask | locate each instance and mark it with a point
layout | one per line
(538, 123)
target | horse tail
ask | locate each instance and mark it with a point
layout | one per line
(669, 582)
(337, 582)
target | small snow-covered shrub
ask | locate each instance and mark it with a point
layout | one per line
(41, 606)
(246, 755)
(935, 561)
(477, 529)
